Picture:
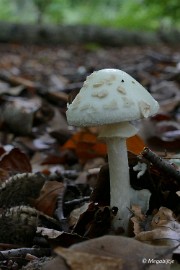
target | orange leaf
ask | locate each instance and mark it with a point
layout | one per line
(86, 145)
(135, 144)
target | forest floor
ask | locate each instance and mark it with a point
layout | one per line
(36, 83)
(52, 70)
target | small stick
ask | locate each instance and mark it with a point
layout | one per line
(161, 164)
(59, 213)
(77, 201)
(4, 246)
(22, 252)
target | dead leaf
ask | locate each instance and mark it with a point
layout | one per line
(75, 214)
(137, 219)
(87, 146)
(15, 161)
(90, 172)
(128, 250)
(60, 238)
(95, 221)
(101, 192)
(135, 144)
(55, 264)
(50, 233)
(165, 229)
(47, 200)
(163, 217)
(85, 261)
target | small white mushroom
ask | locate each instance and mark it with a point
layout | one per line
(112, 115)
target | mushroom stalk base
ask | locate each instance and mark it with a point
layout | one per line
(119, 180)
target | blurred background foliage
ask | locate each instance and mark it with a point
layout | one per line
(129, 14)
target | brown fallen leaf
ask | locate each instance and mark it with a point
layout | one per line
(111, 252)
(59, 238)
(101, 192)
(129, 250)
(47, 200)
(138, 219)
(15, 161)
(87, 146)
(85, 261)
(50, 233)
(163, 217)
(75, 214)
(95, 221)
(56, 264)
(165, 229)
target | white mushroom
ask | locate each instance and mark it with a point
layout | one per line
(125, 100)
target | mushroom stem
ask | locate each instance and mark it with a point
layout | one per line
(119, 183)
(115, 136)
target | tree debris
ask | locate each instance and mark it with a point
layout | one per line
(161, 164)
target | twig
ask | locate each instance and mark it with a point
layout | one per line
(161, 164)
(70, 174)
(21, 252)
(14, 80)
(59, 213)
(4, 246)
(77, 201)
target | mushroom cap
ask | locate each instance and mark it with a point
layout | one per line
(110, 96)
